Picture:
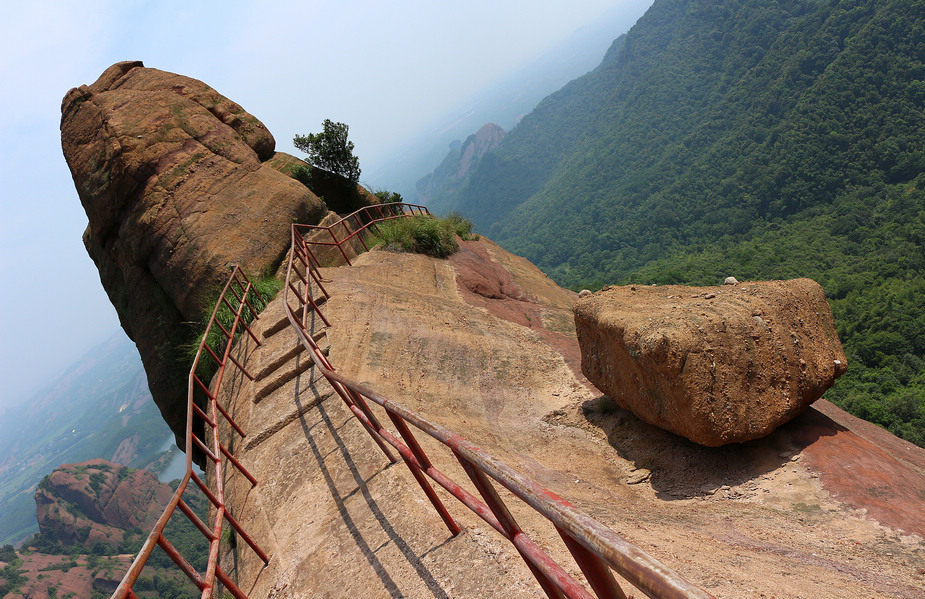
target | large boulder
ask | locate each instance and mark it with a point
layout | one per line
(98, 501)
(714, 364)
(174, 181)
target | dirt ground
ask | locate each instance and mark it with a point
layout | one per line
(484, 345)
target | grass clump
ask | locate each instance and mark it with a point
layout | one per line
(266, 287)
(424, 234)
(461, 226)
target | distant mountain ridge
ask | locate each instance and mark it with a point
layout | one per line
(756, 139)
(461, 161)
(506, 101)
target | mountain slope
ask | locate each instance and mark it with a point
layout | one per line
(99, 407)
(484, 344)
(506, 101)
(760, 139)
(459, 163)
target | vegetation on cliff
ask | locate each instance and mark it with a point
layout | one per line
(264, 289)
(424, 234)
(757, 139)
(330, 150)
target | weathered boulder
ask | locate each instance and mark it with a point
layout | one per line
(98, 501)
(717, 365)
(173, 179)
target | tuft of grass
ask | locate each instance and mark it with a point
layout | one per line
(807, 508)
(266, 287)
(461, 226)
(424, 234)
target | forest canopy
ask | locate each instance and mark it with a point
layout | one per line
(764, 139)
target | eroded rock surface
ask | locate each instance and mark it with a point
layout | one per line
(338, 521)
(173, 179)
(97, 501)
(716, 365)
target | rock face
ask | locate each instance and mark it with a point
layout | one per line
(716, 365)
(459, 163)
(173, 179)
(489, 356)
(97, 501)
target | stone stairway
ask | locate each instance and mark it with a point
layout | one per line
(282, 371)
(283, 358)
(329, 509)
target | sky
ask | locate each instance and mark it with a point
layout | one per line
(387, 69)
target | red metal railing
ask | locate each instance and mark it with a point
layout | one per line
(235, 298)
(597, 550)
(361, 220)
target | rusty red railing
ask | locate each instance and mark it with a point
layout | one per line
(362, 220)
(597, 550)
(235, 298)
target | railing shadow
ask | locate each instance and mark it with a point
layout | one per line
(597, 550)
(362, 487)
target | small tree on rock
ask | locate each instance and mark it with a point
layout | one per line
(330, 150)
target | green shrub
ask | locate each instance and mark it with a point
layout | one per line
(461, 226)
(13, 577)
(96, 481)
(423, 235)
(388, 197)
(303, 175)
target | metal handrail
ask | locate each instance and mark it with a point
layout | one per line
(598, 550)
(239, 286)
(373, 215)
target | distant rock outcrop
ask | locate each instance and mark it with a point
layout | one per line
(97, 501)
(174, 181)
(716, 365)
(459, 163)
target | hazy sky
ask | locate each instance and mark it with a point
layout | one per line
(387, 69)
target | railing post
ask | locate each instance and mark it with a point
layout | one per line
(338, 244)
(240, 287)
(596, 572)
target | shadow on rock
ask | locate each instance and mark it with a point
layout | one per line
(681, 469)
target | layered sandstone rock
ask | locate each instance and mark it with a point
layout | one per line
(97, 501)
(173, 179)
(716, 365)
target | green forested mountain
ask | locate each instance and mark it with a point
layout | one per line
(754, 138)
